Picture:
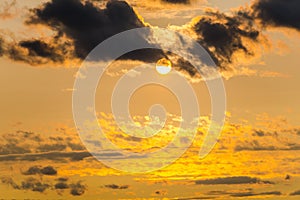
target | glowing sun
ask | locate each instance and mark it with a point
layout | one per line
(163, 66)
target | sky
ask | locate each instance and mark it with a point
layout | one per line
(254, 45)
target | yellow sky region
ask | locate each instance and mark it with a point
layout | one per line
(239, 151)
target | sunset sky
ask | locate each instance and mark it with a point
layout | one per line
(255, 46)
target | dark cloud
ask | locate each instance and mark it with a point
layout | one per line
(29, 184)
(80, 26)
(254, 146)
(41, 49)
(33, 170)
(49, 170)
(77, 189)
(34, 185)
(61, 186)
(37, 185)
(280, 13)
(232, 181)
(75, 156)
(296, 193)
(246, 193)
(224, 35)
(63, 179)
(259, 133)
(249, 194)
(1, 47)
(86, 24)
(37, 52)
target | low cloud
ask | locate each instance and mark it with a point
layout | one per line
(74, 156)
(296, 193)
(61, 186)
(232, 181)
(49, 170)
(243, 193)
(117, 187)
(37, 185)
(77, 189)
(34, 185)
(249, 194)
(31, 183)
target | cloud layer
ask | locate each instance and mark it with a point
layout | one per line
(232, 39)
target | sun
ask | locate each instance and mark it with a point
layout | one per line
(163, 66)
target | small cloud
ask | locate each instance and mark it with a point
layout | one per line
(34, 185)
(296, 193)
(117, 187)
(249, 194)
(10, 181)
(161, 192)
(232, 181)
(61, 186)
(49, 170)
(77, 189)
